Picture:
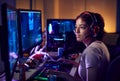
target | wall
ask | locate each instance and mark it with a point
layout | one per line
(71, 8)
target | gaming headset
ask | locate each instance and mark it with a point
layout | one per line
(93, 16)
(94, 21)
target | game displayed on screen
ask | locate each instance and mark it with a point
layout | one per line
(30, 28)
(12, 37)
(57, 32)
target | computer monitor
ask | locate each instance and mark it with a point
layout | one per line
(9, 39)
(57, 33)
(30, 26)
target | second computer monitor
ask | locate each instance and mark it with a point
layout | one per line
(30, 26)
(57, 33)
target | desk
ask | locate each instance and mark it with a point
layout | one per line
(29, 73)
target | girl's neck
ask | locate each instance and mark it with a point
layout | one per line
(88, 41)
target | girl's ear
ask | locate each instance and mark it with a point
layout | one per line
(96, 29)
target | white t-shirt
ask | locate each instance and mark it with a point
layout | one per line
(96, 55)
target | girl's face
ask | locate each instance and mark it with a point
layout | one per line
(82, 30)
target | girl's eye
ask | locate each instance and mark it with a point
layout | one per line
(82, 26)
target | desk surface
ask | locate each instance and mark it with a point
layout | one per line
(28, 73)
(31, 73)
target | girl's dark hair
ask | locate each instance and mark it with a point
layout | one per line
(93, 19)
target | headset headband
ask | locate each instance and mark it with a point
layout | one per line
(94, 19)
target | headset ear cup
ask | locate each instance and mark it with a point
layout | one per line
(96, 29)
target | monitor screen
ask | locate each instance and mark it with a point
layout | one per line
(9, 39)
(30, 25)
(57, 32)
